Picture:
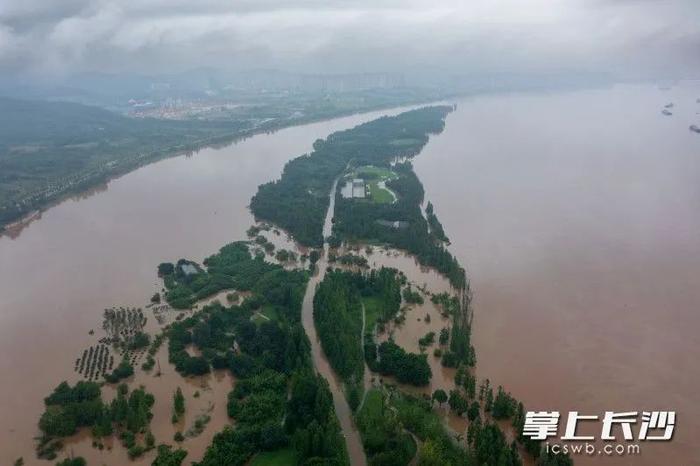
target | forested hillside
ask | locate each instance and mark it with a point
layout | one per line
(52, 148)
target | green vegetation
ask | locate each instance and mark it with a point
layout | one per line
(391, 359)
(412, 297)
(438, 448)
(139, 340)
(212, 331)
(278, 402)
(169, 457)
(232, 267)
(178, 405)
(298, 201)
(440, 396)
(310, 429)
(400, 224)
(383, 437)
(353, 260)
(77, 461)
(427, 340)
(123, 371)
(449, 304)
(370, 172)
(283, 457)
(338, 319)
(52, 149)
(435, 225)
(379, 194)
(444, 336)
(70, 408)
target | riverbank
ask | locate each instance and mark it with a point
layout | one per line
(85, 182)
(88, 254)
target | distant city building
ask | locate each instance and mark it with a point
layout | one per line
(352, 82)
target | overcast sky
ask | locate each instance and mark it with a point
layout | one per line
(625, 37)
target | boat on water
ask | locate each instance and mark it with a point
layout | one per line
(694, 128)
(666, 112)
(669, 105)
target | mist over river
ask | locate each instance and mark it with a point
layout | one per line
(576, 214)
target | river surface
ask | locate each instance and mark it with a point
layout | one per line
(101, 250)
(577, 215)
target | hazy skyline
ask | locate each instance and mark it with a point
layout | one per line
(628, 38)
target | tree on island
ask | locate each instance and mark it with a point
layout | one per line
(178, 405)
(440, 396)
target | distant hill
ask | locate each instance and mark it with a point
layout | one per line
(31, 122)
(53, 148)
(49, 149)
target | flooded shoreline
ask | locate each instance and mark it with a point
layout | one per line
(90, 253)
(579, 239)
(342, 408)
(576, 217)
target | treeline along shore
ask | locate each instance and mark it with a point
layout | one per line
(52, 150)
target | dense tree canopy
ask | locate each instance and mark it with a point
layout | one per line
(298, 201)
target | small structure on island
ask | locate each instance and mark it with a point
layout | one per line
(188, 269)
(358, 188)
(395, 224)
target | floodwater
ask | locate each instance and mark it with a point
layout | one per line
(323, 367)
(577, 215)
(101, 249)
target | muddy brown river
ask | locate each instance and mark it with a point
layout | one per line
(576, 214)
(100, 250)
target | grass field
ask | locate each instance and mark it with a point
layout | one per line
(370, 172)
(373, 404)
(373, 176)
(378, 194)
(284, 457)
(267, 311)
(403, 142)
(372, 312)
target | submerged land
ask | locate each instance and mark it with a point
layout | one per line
(306, 332)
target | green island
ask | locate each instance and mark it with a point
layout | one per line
(283, 411)
(381, 150)
(69, 408)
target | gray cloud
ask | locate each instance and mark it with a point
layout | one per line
(628, 37)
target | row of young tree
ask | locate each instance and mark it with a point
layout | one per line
(338, 308)
(299, 200)
(338, 319)
(436, 228)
